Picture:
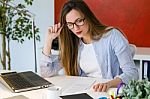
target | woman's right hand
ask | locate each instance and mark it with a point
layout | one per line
(52, 33)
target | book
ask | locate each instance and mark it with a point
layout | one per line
(146, 69)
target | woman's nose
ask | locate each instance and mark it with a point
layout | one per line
(76, 27)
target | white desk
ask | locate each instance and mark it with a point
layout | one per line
(142, 54)
(62, 81)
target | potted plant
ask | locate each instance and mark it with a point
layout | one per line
(136, 90)
(15, 24)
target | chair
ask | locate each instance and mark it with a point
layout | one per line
(133, 49)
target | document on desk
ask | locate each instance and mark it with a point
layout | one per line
(78, 86)
(17, 97)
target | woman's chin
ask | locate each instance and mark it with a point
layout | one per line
(79, 36)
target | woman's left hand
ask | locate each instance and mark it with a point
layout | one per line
(101, 87)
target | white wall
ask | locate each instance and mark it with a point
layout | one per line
(22, 55)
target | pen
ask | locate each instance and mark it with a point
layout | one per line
(7, 73)
(112, 97)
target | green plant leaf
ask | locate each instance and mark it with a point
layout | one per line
(17, 24)
(136, 90)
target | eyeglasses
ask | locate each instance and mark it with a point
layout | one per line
(78, 22)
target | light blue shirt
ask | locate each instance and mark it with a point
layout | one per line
(113, 54)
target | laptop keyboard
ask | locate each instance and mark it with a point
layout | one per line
(23, 81)
(17, 81)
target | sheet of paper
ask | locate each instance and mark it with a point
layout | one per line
(17, 97)
(78, 86)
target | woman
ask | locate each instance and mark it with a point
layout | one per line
(88, 48)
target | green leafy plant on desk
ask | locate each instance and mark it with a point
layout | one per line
(15, 24)
(136, 90)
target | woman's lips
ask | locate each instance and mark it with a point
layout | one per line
(78, 32)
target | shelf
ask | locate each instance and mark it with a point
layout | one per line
(142, 54)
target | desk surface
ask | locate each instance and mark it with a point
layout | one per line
(62, 81)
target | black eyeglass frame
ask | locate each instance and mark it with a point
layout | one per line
(72, 23)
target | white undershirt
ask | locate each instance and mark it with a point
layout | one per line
(88, 61)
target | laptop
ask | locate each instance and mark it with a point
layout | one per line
(23, 81)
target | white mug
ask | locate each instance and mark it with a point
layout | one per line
(52, 93)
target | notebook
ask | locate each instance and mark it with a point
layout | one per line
(77, 96)
(23, 81)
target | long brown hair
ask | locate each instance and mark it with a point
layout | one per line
(69, 42)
